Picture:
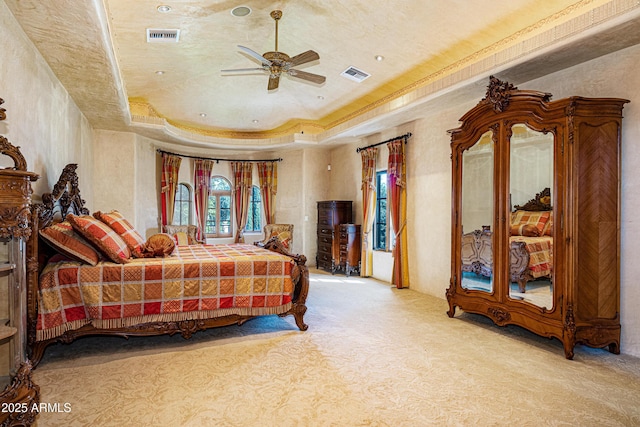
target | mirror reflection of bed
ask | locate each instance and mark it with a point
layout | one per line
(531, 265)
(531, 170)
(531, 225)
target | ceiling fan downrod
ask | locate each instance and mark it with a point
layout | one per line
(276, 15)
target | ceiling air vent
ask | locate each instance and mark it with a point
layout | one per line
(354, 74)
(162, 36)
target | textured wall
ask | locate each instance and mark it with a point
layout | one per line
(42, 119)
(115, 168)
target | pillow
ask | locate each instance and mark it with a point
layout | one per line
(527, 230)
(181, 238)
(159, 245)
(63, 239)
(548, 229)
(538, 219)
(101, 236)
(283, 236)
(133, 239)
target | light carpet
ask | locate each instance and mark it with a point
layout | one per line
(373, 356)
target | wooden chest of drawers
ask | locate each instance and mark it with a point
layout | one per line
(330, 214)
(346, 249)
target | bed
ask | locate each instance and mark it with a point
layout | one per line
(530, 244)
(185, 289)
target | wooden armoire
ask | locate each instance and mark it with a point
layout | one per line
(511, 144)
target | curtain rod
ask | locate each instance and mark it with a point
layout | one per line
(217, 160)
(405, 136)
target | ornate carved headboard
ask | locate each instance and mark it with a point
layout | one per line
(542, 202)
(64, 199)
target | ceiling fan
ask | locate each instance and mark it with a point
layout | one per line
(276, 63)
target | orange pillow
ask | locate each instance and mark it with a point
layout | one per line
(527, 230)
(548, 229)
(537, 218)
(284, 237)
(62, 238)
(159, 245)
(101, 236)
(125, 230)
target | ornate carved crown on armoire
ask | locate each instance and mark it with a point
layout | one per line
(18, 393)
(541, 175)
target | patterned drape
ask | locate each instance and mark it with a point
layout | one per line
(369, 157)
(202, 181)
(268, 174)
(168, 186)
(397, 193)
(241, 195)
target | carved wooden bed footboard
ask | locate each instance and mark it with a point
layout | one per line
(519, 261)
(64, 199)
(477, 257)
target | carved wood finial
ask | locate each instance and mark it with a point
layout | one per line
(498, 94)
(8, 149)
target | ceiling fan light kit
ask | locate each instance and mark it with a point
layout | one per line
(276, 63)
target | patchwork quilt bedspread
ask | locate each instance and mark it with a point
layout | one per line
(195, 282)
(540, 251)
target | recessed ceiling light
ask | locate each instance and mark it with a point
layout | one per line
(241, 11)
(320, 97)
(159, 72)
(203, 114)
(164, 8)
(379, 58)
(255, 121)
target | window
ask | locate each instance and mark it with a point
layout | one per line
(380, 221)
(254, 222)
(182, 207)
(219, 209)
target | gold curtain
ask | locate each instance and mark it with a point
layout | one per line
(268, 175)
(397, 193)
(202, 181)
(168, 186)
(369, 157)
(241, 193)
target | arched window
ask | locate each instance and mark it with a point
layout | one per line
(254, 222)
(219, 210)
(182, 207)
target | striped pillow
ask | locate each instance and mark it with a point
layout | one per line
(101, 236)
(548, 229)
(528, 230)
(63, 239)
(537, 218)
(181, 239)
(125, 230)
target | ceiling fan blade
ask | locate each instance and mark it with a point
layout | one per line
(256, 55)
(274, 81)
(315, 78)
(304, 57)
